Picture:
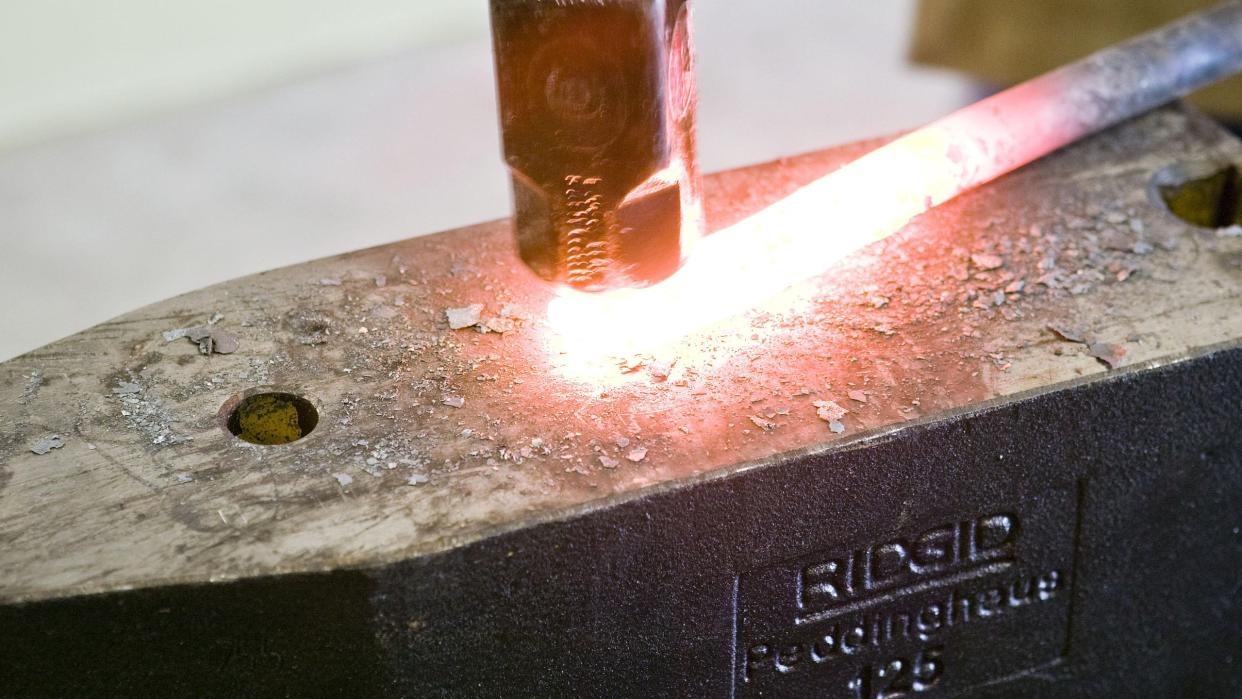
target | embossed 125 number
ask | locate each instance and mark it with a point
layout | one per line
(898, 677)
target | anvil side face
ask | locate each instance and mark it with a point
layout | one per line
(893, 478)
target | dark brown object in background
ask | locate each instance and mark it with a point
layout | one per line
(1004, 42)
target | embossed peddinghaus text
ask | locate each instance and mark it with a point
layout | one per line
(926, 621)
(902, 591)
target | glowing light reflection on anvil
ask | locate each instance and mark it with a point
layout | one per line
(805, 234)
(742, 267)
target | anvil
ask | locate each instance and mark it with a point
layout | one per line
(997, 454)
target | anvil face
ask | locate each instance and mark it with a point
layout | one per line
(986, 454)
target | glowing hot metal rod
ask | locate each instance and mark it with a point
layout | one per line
(597, 107)
(873, 197)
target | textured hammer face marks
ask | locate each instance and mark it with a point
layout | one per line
(597, 113)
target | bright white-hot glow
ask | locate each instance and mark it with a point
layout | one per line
(736, 268)
(804, 234)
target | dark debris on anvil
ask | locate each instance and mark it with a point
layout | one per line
(1110, 354)
(47, 444)
(34, 382)
(210, 339)
(1068, 333)
(473, 317)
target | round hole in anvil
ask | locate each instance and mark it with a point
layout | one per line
(270, 418)
(1207, 195)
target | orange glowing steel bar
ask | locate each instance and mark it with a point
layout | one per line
(873, 197)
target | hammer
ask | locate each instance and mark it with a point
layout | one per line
(597, 112)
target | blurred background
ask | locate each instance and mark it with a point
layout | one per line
(148, 148)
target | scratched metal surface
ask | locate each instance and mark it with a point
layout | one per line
(952, 312)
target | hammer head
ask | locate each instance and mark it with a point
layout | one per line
(597, 111)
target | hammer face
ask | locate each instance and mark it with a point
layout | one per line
(597, 105)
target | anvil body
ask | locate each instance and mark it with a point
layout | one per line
(1003, 515)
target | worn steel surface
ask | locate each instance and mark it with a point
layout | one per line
(476, 514)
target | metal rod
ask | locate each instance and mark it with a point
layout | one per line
(1058, 108)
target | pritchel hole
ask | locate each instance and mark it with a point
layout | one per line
(1204, 195)
(271, 419)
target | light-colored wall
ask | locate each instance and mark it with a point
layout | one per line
(68, 66)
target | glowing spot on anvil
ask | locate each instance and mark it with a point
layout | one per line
(805, 234)
(748, 265)
(608, 342)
